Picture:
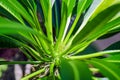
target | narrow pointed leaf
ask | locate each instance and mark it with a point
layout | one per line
(81, 6)
(97, 23)
(21, 10)
(99, 27)
(8, 7)
(62, 24)
(70, 7)
(44, 4)
(56, 16)
(102, 6)
(97, 54)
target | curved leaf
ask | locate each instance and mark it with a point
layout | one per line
(7, 43)
(107, 69)
(74, 70)
(11, 27)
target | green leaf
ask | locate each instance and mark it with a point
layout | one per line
(82, 5)
(74, 70)
(98, 23)
(7, 26)
(64, 12)
(102, 6)
(7, 43)
(56, 16)
(115, 58)
(107, 69)
(21, 10)
(115, 29)
(8, 7)
(45, 6)
(71, 5)
(11, 27)
(47, 10)
(5, 13)
(62, 24)
(28, 4)
(97, 54)
(100, 27)
(48, 23)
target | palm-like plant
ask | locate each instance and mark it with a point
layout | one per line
(50, 34)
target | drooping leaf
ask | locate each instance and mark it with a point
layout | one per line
(74, 70)
(11, 27)
(107, 69)
(7, 43)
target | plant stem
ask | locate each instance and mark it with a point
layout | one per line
(33, 74)
(93, 55)
(52, 69)
(113, 61)
(20, 62)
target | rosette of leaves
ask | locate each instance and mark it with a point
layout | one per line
(51, 33)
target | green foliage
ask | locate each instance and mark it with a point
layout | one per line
(43, 31)
(77, 70)
(109, 70)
